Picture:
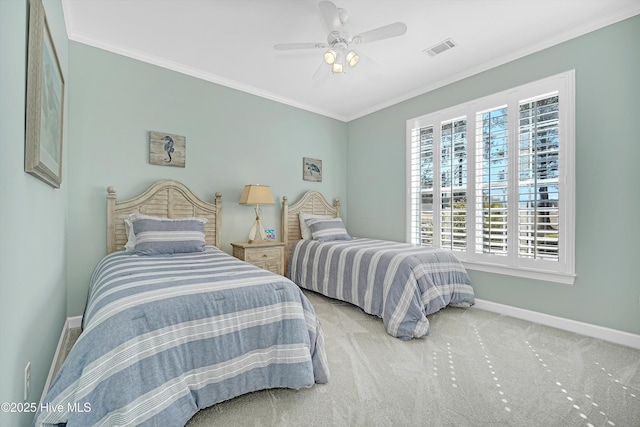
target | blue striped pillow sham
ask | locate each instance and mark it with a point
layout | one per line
(325, 230)
(158, 236)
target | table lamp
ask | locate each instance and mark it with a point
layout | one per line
(255, 194)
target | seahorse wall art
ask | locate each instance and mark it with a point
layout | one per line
(166, 149)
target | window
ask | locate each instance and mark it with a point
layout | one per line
(493, 180)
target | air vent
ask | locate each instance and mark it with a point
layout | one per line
(440, 47)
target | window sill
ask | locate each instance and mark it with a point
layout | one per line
(547, 276)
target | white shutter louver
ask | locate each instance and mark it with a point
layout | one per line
(538, 186)
(453, 187)
(492, 181)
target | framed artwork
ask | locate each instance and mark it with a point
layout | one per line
(271, 234)
(311, 169)
(45, 102)
(166, 149)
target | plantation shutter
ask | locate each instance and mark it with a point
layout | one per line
(453, 188)
(538, 178)
(492, 181)
(422, 181)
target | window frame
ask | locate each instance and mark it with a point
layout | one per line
(560, 271)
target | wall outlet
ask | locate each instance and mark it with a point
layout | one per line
(27, 380)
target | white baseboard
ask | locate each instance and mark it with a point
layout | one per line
(594, 331)
(74, 322)
(70, 323)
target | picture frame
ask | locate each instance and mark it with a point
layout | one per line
(44, 103)
(270, 234)
(166, 149)
(311, 169)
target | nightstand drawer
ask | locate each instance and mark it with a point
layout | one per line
(264, 255)
(274, 266)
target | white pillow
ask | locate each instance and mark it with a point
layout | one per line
(131, 236)
(305, 231)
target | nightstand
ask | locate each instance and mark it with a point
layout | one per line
(264, 254)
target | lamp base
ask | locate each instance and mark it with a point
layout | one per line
(257, 231)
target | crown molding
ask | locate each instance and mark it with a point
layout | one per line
(570, 33)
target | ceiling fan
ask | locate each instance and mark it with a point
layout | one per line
(339, 54)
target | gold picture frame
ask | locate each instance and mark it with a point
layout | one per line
(45, 102)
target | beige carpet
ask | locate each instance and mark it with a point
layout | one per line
(476, 368)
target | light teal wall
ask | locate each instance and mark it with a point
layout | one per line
(233, 139)
(607, 63)
(33, 225)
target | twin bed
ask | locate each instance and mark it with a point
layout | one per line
(398, 282)
(167, 333)
(173, 324)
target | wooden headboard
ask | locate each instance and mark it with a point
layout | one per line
(312, 202)
(167, 199)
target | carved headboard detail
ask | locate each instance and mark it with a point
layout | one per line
(312, 202)
(167, 199)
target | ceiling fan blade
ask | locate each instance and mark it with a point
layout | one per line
(330, 15)
(320, 77)
(296, 46)
(388, 31)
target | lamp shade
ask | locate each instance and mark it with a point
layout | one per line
(254, 194)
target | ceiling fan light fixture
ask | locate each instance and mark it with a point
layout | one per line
(352, 58)
(336, 48)
(338, 65)
(330, 56)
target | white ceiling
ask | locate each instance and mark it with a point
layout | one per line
(230, 42)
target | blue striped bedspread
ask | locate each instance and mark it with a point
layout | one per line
(165, 336)
(398, 282)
